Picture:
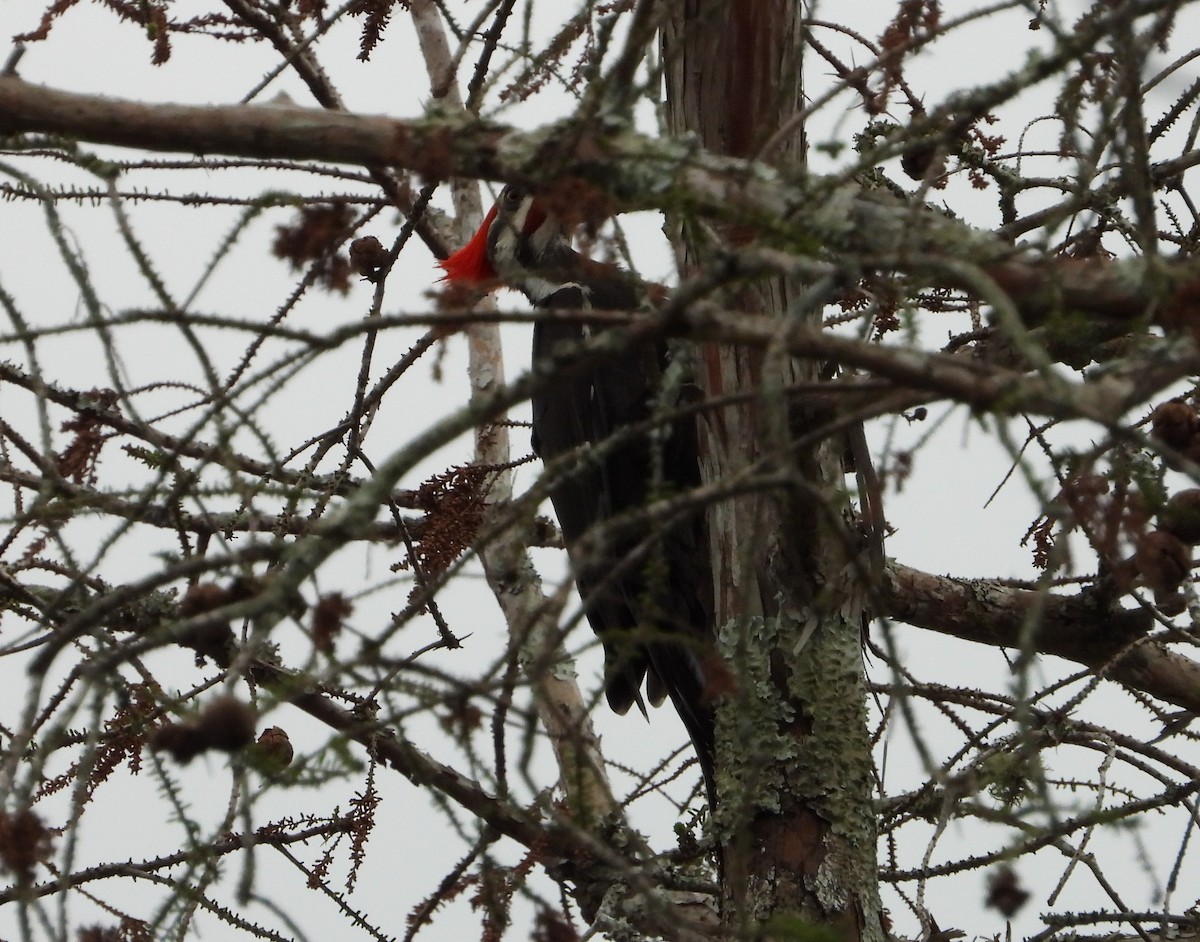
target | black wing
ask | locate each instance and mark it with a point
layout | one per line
(647, 595)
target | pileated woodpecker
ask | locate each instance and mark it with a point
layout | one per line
(647, 595)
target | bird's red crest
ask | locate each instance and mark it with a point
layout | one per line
(470, 265)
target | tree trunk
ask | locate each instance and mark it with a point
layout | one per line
(795, 818)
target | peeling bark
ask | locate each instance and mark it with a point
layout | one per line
(1080, 628)
(795, 818)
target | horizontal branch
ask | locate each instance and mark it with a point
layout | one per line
(959, 378)
(638, 171)
(808, 216)
(266, 836)
(238, 130)
(172, 517)
(93, 403)
(984, 383)
(1077, 628)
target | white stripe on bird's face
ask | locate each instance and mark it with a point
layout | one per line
(504, 241)
(519, 246)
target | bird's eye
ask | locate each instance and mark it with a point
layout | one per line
(512, 195)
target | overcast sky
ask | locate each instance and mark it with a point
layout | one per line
(947, 517)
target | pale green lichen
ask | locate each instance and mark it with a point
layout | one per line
(765, 763)
(751, 738)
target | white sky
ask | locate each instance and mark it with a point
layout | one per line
(940, 516)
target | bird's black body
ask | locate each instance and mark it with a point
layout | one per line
(646, 588)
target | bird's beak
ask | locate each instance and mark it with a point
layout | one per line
(470, 264)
